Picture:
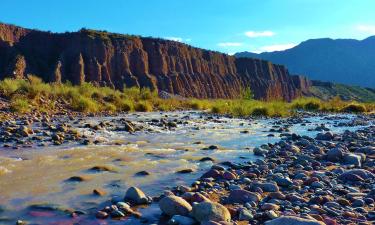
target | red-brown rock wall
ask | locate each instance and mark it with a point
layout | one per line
(118, 60)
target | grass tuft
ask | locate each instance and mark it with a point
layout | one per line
(32, 93)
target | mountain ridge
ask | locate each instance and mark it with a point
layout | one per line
(347, 61)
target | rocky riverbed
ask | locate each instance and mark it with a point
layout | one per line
(187, 168)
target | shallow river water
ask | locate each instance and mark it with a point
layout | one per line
(38, 175)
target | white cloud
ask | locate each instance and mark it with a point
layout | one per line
(229, 44)
(255, 34)
(365, 28)
(272, 48)
(178, 39)
(174, 39)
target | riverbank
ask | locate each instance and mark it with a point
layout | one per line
(31, 95)
(172, 149)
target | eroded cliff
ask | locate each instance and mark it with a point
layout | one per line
(122, 60)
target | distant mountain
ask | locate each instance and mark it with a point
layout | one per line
(346, 61)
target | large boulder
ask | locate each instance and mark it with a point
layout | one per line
(136, 196)
(174, 205)
(266, 187)
(210, 211)
(356, 175)
(292, 220)
(335, 154)
(243, 196)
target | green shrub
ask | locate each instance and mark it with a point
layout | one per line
(216, 110)
(84, 104)
(20, 105)
(312, 106)
(124, 105)
(8, 86)
(132, 93)
(147, 94)
(196, 105)
(260, 111)
(246, 94)
(143, 106)
(354, 108)
(110, 107)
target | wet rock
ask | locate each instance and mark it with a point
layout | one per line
(128, 127)
(136, 196)
(260, 152)
(317, 184)
(356, 175)
(266, 187)
(243, 196)
(335, 154)
(47, 207)
(181, 220)
(292, 148)
(229, 176)
(101, 169)
(77, 179)
(99, 192)
(358, 203)
(283, 181)
(211, 173)
(211, 147)
(271, 214)
(245, 214)
(325, 136)
(142, 173)
(117, 214)
(292, 220)
(25, 131)
(204, 159)
(210, 211)
(270, 206)
(174, 205)
(352, 159)
(185, 171)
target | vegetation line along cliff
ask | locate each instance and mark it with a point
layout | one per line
(121, 60)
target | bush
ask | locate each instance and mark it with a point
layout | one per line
(20, 105)
(260, 111)
(246, 94)
(8, 86)
(84, 104)
(143, 107)
(110, 107)
(124, 105)
(196, 105)
(312, 106)
(132, 93)
(147, 94)
(354, 108)
(309, 104)
(216, 110)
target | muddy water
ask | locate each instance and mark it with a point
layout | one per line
(39, 175)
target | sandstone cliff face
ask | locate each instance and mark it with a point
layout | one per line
(120, 60)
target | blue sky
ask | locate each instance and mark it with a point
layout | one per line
(223, 25)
